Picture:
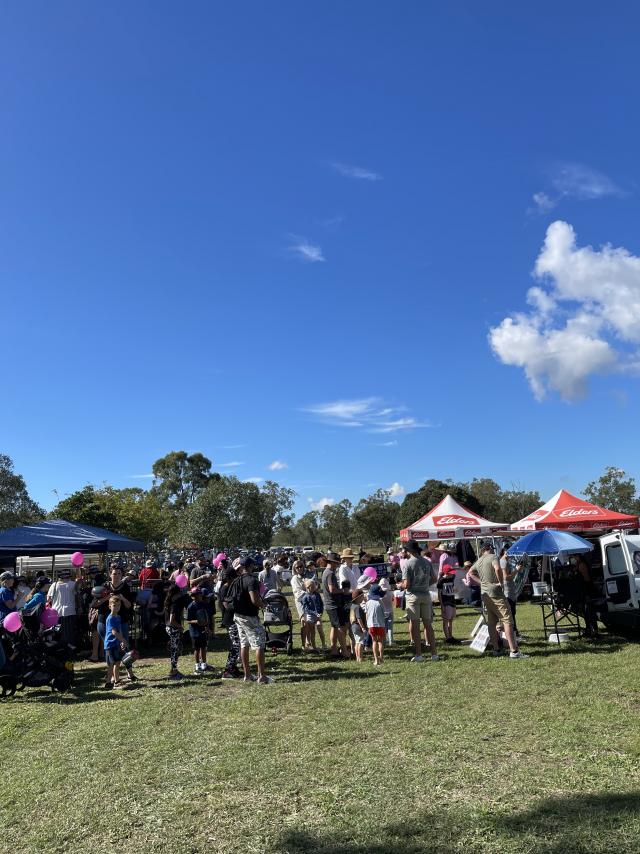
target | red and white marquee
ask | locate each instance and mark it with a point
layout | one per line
(568, 513)
(449, 521)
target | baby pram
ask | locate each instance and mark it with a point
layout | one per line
(278, 613)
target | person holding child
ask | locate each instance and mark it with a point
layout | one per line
(114, 643)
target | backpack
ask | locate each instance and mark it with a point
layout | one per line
(233, 595)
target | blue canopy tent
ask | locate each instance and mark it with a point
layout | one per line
(550, 543)
(57, 536)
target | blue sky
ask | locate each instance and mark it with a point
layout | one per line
(307, 233)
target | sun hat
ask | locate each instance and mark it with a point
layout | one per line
(64, 573)
(6, 575)
(376, 592)
(363, 582)
(348, 553)
(384, 585)
(333, 557)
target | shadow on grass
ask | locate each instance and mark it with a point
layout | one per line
(580, 824)
(327, 672)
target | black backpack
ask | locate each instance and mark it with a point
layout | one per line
(233, 595)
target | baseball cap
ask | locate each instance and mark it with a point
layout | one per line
(376, 592)
(246, 561)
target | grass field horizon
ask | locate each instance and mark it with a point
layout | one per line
(466, 754)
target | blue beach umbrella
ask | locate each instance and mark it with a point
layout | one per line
(550, 542)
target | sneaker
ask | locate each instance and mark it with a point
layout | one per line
(133, 677)
(108, 685)
(417, 658)
(518, 655)
(435, 658)
(118, 684)
(196, 670)
(250, 678)
(265, 680)
(231, 674)
(202, 666)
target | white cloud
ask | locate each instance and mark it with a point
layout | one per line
(396, 490)
(231, 447)
(390, 444)
(584, 320)
(277, 465)
(321, 503)
(231, 465)
(140, 476)
(253, 480)
(368, 412)
(305, 250)
(356, 172)
(574, 181)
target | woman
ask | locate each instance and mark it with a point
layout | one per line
(227, 576)
(298, 589)
(38, 595)
(509, 586)
(174, 605)
(116, 586)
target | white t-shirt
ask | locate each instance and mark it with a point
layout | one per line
(348, 573)
(63, 598)
(297, 586)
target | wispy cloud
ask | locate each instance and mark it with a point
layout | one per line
(357, 172)
(277, 465)
(304, 250)
(390, 444)
(231, 465)
(396, 490)
(231, 447)
(253, 480)
(370, 413)
(141, 476)
(333, 221)
(574, 181)
(321, 503)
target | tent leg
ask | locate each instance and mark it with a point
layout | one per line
(53, 567)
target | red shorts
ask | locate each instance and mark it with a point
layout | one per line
(377, 632)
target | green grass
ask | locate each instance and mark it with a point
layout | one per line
(470, 754)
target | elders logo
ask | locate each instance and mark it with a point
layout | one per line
(572, 512)
(454, 520)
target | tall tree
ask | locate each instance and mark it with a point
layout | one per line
(375, 519)
(306, 529)
(181, 477)
(614, 490)
(336, 522)
(16, 506)
(87, 506)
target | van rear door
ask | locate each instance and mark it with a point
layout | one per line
(619, 579)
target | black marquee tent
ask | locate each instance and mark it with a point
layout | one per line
(57, 536)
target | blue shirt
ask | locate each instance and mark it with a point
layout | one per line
(198, 611)
(34, 603)
(6, 595)
(312, 603)
(110, 640)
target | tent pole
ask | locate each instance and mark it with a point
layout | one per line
(53, 567)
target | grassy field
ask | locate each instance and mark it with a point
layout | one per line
(469, 754)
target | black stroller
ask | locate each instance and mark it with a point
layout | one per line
(35, 658)
(278, 613)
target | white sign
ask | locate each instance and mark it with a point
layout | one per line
(481, 640)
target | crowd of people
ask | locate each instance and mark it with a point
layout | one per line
(105, 614)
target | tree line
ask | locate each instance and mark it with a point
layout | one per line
(189, 504)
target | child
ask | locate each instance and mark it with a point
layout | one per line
(114, 643)
(198, 620)
(312, 608)
(387, 604)
(445, 585)
(358, 623)
(174, 605)
(376, 622)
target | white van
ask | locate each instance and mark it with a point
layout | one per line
(620, 555)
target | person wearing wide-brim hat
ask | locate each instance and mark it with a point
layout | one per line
(335, 600)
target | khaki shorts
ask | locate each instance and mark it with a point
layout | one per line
(419, 607)
(250, 631)
(498, 610)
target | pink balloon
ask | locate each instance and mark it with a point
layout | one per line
(49, 618)
(221, 556)
(216, 563)
(77, 559)
(12, 622)
(182, 580)
(371, 573)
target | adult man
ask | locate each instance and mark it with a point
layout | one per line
(149, 575)
(417, 576)
(346, 572)
(251, 632)
(62, 597)
(335, 606)
(487, 571)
